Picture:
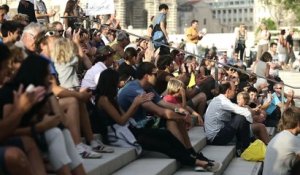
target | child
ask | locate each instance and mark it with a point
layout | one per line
(176, 95)
(259, 130)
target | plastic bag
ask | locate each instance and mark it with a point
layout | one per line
(255, 152)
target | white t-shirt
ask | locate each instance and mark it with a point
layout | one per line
(281, 154)
(91, 77)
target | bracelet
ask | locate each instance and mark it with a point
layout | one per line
(176, 110)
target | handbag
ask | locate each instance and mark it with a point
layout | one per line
(255, 152)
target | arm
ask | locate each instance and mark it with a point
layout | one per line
(162, 112)
(61, 92)
(229, 106)
(163, 29)
(121, 119)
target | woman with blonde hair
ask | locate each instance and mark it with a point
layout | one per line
(65, 61)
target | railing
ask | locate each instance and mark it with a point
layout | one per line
(216, 62)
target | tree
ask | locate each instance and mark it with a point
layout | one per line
(280, 10)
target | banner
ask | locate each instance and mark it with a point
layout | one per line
(100, 7)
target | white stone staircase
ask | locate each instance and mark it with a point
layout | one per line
(124, 161)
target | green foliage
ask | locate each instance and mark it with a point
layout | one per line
(292, 5)
(271, 25)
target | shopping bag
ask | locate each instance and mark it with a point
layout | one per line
(255, 152)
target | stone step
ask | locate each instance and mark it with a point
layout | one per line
(110, 162)
(149, 166)
(222, 154)
(156, 163)
(238, 165)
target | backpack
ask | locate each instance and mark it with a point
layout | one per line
(157, 34)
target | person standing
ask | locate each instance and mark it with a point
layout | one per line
(41, 12)
(263, 40)
(241, 37)
(159, 33)
(281, 47)
(27, 7)
(192, 37)
(290, 52)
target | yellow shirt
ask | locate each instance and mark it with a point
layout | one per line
(191, 35)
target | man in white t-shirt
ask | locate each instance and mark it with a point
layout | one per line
(283, 151)
(104, 59)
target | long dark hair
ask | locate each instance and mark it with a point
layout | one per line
(108, 86)
(70, 6)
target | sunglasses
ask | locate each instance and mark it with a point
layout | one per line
(50, 33)
(60, 31)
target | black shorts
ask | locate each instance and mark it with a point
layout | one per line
(12, 142)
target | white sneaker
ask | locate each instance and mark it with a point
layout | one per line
(213, 167)
(99, 147)
(86, 152)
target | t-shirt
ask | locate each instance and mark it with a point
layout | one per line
(67, 73)
(125, 69)
(40, 8)
(193, 32)
(275, 101)
(171, 99)
(128, 93)
(281, 154)
(91, 77)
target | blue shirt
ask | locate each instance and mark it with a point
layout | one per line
(275, 101)
(127, 95)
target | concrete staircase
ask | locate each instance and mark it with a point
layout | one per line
(125, 161)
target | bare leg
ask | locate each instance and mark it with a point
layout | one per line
(70, 107)
(64, 171)
(260, 132)
(16, 162)
(85, 123)
(78, 170)
(33, 155)
(199, 102)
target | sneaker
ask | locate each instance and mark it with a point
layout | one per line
(199, 169)
(99, 147)
(86, 152)
(213, 167)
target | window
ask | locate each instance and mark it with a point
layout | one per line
(234, 11)
(234, 19)
(219, 11)
(251, 10)
(229, 20)
(231, 2)
(245, 10)
(204, 21)
(240, 10)
(237, 2)
(229, 11)
(224, 11)
(240, 19)
(224, 20)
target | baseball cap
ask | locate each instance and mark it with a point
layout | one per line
(104, 51)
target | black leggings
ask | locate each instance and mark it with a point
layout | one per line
(163, 141)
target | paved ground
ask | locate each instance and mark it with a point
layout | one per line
(291, 78)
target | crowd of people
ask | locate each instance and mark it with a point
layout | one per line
(61, 84)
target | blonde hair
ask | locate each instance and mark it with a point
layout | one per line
(63, 51)
(245, 96)
(174, 85)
